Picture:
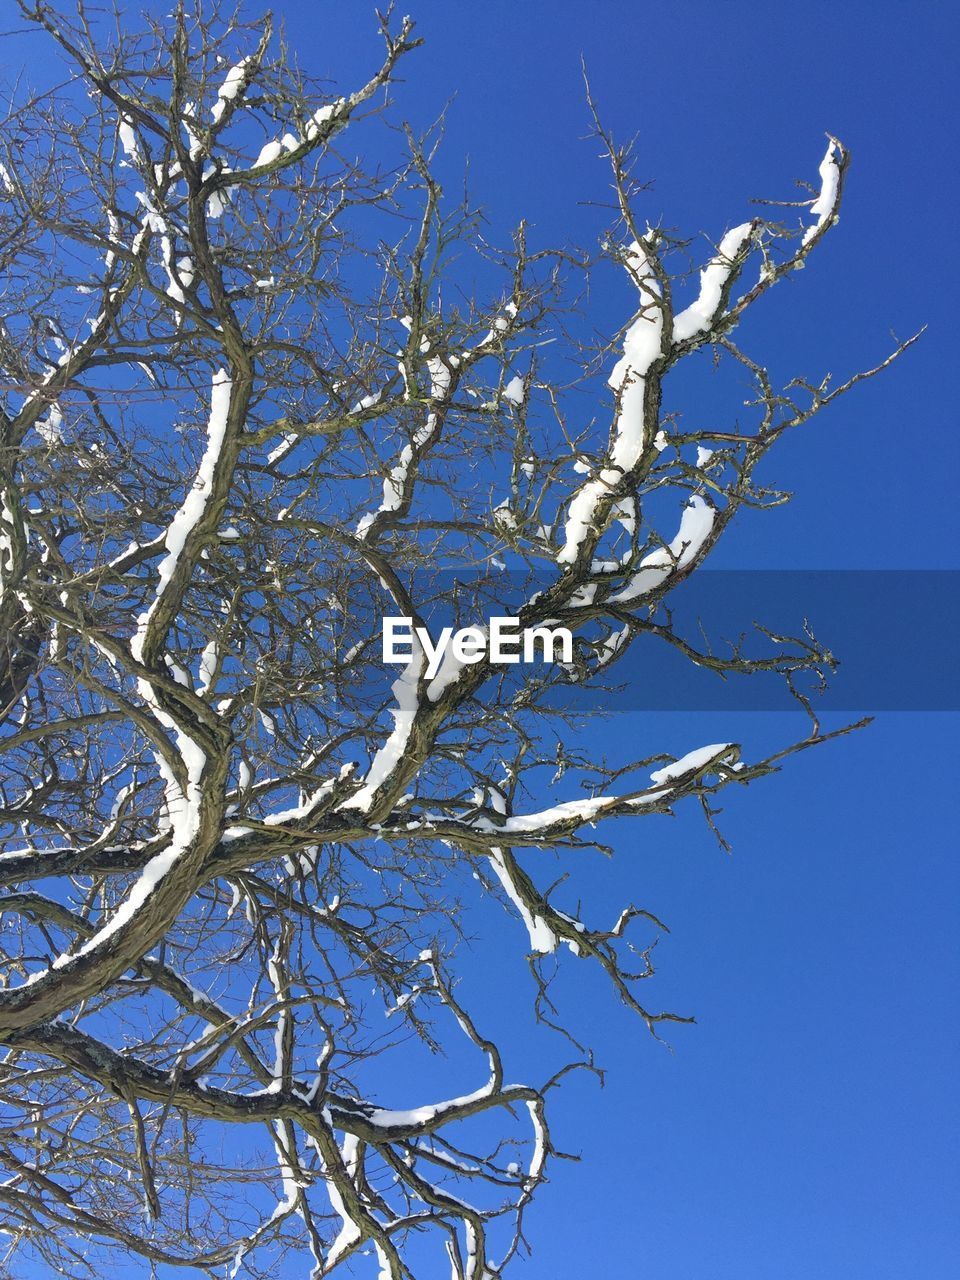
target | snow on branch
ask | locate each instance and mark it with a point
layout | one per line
(824, 208)
(715, 282)
(642, 348)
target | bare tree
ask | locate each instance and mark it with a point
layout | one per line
(251, 406)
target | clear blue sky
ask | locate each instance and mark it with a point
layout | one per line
(807, 1126)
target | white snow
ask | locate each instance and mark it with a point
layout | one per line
(394, 748)
(349, 1233)
(500, 325)
(308, 803)
(49, 429)
(321, 117)
(449, 669)
(208, 667)
(503, 516)
(696, 524)
(642, 346)
(514, 391)
(581, 810)
(177, 671)
(626, 513)
(385, 1118)
(386, 1271)
(183, 813)
(539, 1156)
(271, 151)
(128, 139)
(542, 938)
(282, 449)
(119, 800)
(7, 557)
(690, 763)
(180, 274)
(217, 201)
(368, 401)
(194, 504)
(701, 315)
(824, 207)
(283, 1019)
(231, 86)
(395, 483)
(612, 645)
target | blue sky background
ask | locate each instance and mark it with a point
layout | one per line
(807, 1126)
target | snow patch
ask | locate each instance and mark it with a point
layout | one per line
(690, 763)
